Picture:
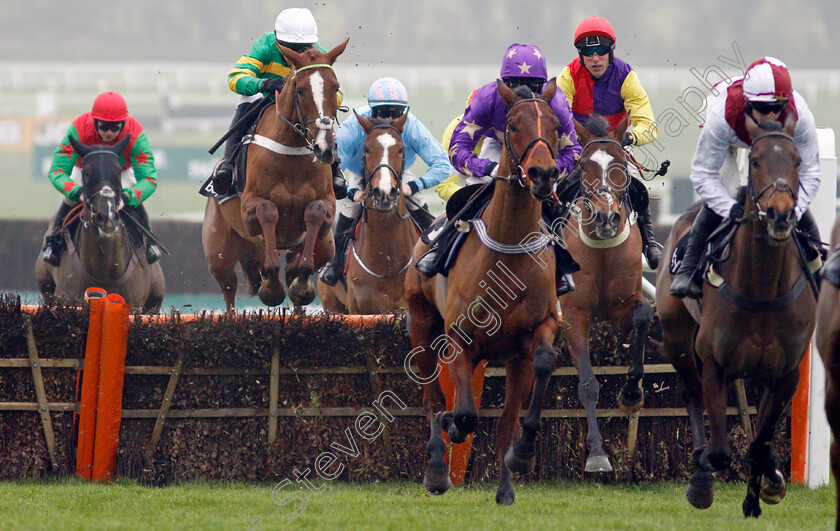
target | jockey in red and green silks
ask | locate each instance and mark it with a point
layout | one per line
(259, 74)
(106, 124)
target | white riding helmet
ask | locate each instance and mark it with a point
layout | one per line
(296, 25)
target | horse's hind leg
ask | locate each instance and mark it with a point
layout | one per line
(765, 480)
(632, 397)
(588, 392)
(301, 289)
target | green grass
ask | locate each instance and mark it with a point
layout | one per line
(71, 504)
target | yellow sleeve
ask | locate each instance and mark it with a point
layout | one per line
(450, 185)
(637, 105)
(566, 84)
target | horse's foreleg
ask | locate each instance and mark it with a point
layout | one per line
(464, 417)
(519, 458)
(765, 480)
(301, 290)
(632, 396)
(261, 216)
(520, 379)
(588, 391)
(717, 455)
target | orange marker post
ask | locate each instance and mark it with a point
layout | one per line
(95, 298)
(458, 456)
(799, 421)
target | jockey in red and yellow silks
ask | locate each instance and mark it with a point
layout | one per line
(598, 83)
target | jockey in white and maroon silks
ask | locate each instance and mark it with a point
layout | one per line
(523, 65)
(600, 83)
(764, 92)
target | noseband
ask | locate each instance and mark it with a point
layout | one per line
(301, 126)
(516, 160)
(369, 174)
(777, 186)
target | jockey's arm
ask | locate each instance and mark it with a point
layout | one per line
(465, 137)
(566, 84)
(63, 160)
(418, 138)
(805, 137)
(143, 164)
(712, 146)
(637, 105)
(350, 140)
(568, 148)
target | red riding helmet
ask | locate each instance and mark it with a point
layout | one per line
(594, 27)
(110, 107)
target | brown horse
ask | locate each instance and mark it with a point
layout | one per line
(828, 343)
(756, 323)
(100, 253)
(609, 283)
(471, 318)
(288, 202)
(376, 269)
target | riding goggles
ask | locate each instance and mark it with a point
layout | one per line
(767, 107)
(601, 49)
(109, 126)
(534, 84)
(388, 111)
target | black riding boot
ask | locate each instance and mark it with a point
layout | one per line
(649, 245)
(54, 243)
(223, 176)
(564, 264)
(334, 269)
(339, 183)
(683, 284)
(153, 250)
(422, 217)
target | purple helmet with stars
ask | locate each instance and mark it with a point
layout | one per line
(524, 60)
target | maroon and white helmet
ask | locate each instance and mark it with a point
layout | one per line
(767, 80)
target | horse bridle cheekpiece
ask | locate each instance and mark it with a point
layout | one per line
(106, 192)
(605, 188)
(516, 160)
(778, 185)
(369, 174)
(301, 127)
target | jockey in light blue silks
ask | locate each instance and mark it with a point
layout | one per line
(387, 98)
(523, 69)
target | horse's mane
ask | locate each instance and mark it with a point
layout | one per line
(598, 126)
(523, 92)
(770, 125)
(381, 121)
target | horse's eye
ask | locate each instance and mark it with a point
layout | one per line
(512, 128)
(367, 151)
(401, 151)
(754, 162)
(798, 161)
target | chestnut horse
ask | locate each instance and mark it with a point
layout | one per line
(471, 318)
(828, 343)
(609, 284)
(288, 202)
(101, 254)
(376, 269)
(756, 323)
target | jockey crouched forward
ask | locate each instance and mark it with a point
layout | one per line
(484, 119)
(259, 74)
(387, 98)
(106, 124)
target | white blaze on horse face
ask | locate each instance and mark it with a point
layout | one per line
(602, 159)
(316, 83)
(387, 142)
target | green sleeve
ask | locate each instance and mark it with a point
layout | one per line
(143, 163)
(63, 160)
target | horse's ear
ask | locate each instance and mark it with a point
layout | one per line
(549, 91)
(505, 92)
(364, 122)
(291, 56)
(620, 129)
(333, 54)
(752, 128)
(120, 146)
(78, 146)
(399, 123)
(789, 126)
(583, 135)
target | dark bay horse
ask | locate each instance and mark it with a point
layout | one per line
(288, 201)
(828, 343)
(600, 238)
(497, 303)
(381, 254)
(100, 253)
(757, 323)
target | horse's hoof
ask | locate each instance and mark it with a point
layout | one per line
(302, 293)
(773, 489)
(631, 400)
(505, 497)
(598, 463)
(518, 464)
(436, 479)
(701, 490)
(752, 508)
(270, 298)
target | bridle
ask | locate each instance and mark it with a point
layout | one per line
(369, 174)
(516, 161)
(777, 186)
(105, 191)
(604, 189)
(301, 125)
